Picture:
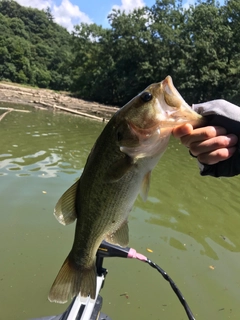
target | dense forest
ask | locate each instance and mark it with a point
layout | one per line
(199, 47)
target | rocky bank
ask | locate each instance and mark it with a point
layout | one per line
(44, 98)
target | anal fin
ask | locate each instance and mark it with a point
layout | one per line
(120, 236)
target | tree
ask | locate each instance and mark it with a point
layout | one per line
(199, 47)
(231, 86)
(35, 45)
(48, 13)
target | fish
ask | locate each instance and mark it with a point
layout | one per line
(118, 168)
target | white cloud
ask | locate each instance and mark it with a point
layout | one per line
(188, 3)
(39, 4)
(69, 15)
(66, 14)
(129, 5)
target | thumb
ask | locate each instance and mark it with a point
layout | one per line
(182, 130)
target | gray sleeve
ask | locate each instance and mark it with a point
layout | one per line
(225, 114)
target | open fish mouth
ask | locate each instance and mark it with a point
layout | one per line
(148, 141)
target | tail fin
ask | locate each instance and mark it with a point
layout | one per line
(72, 280)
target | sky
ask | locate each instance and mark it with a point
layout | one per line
(71, 12)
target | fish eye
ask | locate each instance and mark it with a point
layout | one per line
(146, 96)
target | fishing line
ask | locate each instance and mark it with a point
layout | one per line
(174, 287)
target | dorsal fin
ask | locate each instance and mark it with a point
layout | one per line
(64, 210)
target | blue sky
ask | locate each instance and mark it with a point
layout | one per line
(71, 12)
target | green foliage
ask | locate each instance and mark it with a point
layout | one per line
(33, 47)
(199, 47)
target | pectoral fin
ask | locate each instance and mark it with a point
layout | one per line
(64, 210)
(145, 186)
(120, 236)
(120, 168)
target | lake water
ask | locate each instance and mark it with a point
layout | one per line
(191, 223)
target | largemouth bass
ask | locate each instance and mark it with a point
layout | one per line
(118, 167)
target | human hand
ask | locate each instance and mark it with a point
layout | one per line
(209, 144)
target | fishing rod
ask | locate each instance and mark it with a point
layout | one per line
(109, 250)
(89, 309)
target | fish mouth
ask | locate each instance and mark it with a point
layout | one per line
(167, 110)
(147, 141)
(173, 110)
(144, 133)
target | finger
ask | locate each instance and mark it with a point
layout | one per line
(207, 146)
(201, 134)
(182, 130)
(216, 156)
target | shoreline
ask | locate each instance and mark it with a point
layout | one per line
(11, 93)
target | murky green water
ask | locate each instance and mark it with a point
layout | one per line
(191, 223)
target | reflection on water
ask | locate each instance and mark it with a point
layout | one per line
(44, 144)
(190, 222)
